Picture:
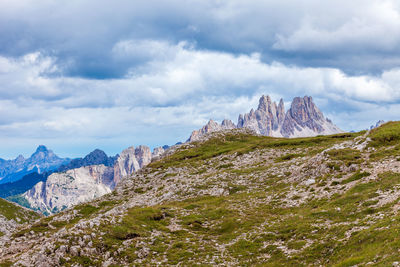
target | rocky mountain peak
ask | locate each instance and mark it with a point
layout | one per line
(210, 127)
(42, 154)
(228, 124)
(20, 158)
(40, 161)
(266, 119)
(270, 119)
(305, 119)
(41, 148)
(304, 109)
(264, 103)
(97, 156)
(93, 176)
(143, 155)
(131, 160)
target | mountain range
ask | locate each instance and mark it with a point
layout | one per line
(41, 161)
(302, 119)
(49, 184)
(233, 195)
(84, 179)
(25, 183)
(236, 198)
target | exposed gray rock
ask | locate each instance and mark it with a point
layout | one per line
(266, 120)
(269, 119)
(211, 127)
(157, 152)
(305, 119)
(125, 164)
(131, 160)
(143, 155)
(65, 189)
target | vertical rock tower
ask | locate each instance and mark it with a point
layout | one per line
(270, 119)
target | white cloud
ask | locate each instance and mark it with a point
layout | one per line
(103, 44)
(177, 93)
(373, 26)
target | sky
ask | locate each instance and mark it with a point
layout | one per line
(83, 74)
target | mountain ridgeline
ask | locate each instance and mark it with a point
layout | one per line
(95, 157)
(41, 161)
(85, 179)
(301, 120)
(235, 198)
(26, 182)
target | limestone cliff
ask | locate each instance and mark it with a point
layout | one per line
(270, 119)
(65, 189)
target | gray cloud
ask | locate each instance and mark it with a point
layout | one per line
(179, 89)
(84, 36)
(127, 72)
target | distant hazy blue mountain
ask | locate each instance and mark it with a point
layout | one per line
(41, 161)
(96, 157)
(22, 185)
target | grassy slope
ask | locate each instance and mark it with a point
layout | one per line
(256, 222)
(10, 211)
(14, 212)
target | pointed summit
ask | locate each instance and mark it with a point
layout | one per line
(305, 119)
(211, 127)
(42, 153)
(264, 103)
(41, 148)
(266, 119)
(270, 119)
(42, 160)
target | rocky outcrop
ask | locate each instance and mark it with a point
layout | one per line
(157, 152)
(270, 119)
(131, 160)
(211, 127)
(65, 189)
(41, 161)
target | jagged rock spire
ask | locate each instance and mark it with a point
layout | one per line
(302, 119)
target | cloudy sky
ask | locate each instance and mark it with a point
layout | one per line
(83, 74)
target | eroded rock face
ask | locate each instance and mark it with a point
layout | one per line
(211, 127)
(270, 119)
(125, 164)
(143, 155)
(266, 120)
(157, 152)
(131, 160)
(65, 189)
(305, 119)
